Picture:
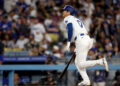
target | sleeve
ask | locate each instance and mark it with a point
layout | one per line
(68, 22)
(70, 31)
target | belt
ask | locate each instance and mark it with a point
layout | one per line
(82, 34)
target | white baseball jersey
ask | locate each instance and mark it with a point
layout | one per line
(38, 30)
(78, 26)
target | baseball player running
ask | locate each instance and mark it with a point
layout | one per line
(77, 31)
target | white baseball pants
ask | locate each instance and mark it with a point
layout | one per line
(83, 44)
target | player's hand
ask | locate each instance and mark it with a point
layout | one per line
(68, 46)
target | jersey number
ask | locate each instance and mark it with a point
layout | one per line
(80, 23)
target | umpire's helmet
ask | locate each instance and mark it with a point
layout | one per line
(70, 9)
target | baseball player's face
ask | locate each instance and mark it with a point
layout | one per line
(66, 13)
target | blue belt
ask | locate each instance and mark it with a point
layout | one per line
(82, 34)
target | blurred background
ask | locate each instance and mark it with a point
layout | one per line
(33, 32)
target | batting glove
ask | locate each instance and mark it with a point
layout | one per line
(68, 46)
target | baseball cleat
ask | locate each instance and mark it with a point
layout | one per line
(105, 64)
(82, 84)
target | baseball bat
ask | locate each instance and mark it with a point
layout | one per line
(64, 71)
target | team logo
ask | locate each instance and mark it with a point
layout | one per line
(66, 21)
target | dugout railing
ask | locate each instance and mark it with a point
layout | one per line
(12, 68)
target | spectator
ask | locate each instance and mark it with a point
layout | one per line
(114, 41)
(21, 5)
(5, 24)
(87, 21)
(109, 51)
(21, 41)
(33, 11)
(31, 22)
(117, 16)
(103, 5)
(34, 52)
(9, 43)
(91, 54)
(98, 11)
(108, 42)
(89, 7)
(48, 21)
(6, 42)
(41, 11)
(13, 16)
(96, 28)
(38, 30)
(23, 26)
(109, 54)
(100, 75)
(113, 26)
(31, 44)
(53, 31)
(12, 43)
(116, 52)
(106, 28)
(31, 2)
(56, 52)
(99, 78)
(43, 50)
(49, 60)
(63, 30)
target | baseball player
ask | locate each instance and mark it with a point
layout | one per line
(77, 32)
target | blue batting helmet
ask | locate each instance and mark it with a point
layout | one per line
(70, 9)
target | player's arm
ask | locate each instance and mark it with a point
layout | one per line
(70, 34)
